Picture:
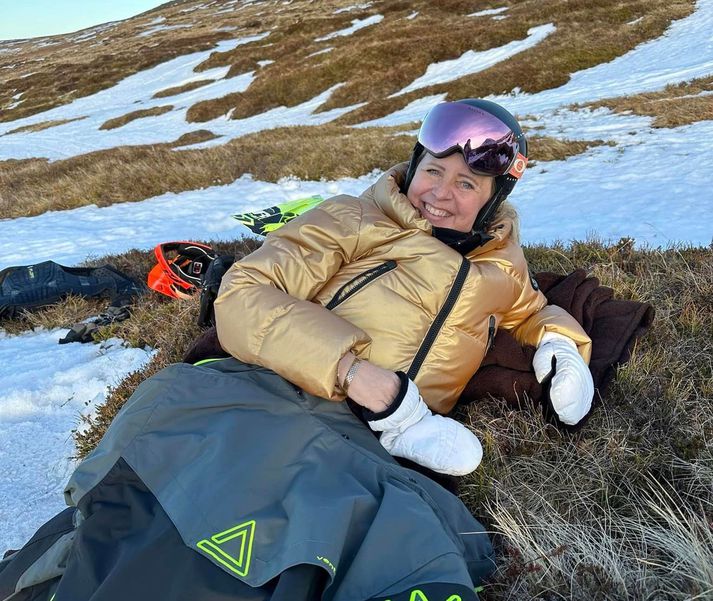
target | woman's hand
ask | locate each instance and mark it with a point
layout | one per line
(572, 386)
(372, 387)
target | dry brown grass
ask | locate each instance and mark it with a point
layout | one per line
(187, 87)
(42, 125)
(622, 510)
(61, 82)
(55, 70)
(673, 106)
(382, 59)
(194, 137)
(132, 173)
(134, 115)
(10, 166)
(60, 315)
(543, 148)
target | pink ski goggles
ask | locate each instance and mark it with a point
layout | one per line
(488, 145)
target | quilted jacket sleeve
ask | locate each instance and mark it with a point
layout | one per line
(263, 311)
(530, 316)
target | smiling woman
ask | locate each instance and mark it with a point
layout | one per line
(52, 17)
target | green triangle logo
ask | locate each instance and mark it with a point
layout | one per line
(418, 595)
(232, 548)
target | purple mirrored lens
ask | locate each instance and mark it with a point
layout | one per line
(489, 146)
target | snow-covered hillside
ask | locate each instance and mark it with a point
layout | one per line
(648, 183)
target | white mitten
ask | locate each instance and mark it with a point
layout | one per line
(572, 388)
(439, 443)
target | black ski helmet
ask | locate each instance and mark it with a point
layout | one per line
(504, 183)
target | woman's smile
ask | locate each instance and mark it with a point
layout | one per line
(434, 211)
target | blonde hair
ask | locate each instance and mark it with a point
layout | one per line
(508, 211)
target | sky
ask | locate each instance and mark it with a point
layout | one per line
(608, 192)
(36, 18)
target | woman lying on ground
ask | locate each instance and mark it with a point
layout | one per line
(393, 298)
(226, 480)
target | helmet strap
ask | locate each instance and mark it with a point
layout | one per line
(418, 153)
(503, 186)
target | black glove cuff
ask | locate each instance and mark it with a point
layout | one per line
(395, 404)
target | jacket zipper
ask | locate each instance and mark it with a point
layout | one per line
(357, 283)
(437, 324)
(491, 333)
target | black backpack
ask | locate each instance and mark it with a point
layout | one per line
(31, 286)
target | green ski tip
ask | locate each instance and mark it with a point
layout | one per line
(268, 220)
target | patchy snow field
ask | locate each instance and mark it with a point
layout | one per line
(648, 186)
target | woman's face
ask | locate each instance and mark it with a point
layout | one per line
(447, 193)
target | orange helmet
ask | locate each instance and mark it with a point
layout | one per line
(180, 267)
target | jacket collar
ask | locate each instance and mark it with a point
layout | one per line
(500, 231)
(386, 194)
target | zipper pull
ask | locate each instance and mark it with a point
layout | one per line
(491, 333)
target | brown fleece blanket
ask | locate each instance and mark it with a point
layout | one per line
(506, 371)
(612, 324)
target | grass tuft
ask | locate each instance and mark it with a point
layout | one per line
(674, 106)
(194, 137)
(187, 87)
(41, 126)
(543, 148)
(623, 509)
(134, 115)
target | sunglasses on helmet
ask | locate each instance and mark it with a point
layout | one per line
(488, 145)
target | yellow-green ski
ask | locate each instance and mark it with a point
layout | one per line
(268, 220)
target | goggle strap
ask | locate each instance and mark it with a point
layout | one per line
(518, 166)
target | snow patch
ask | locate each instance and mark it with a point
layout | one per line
(474, 62)
(46, 390)
(351, 8)
(17, 101)
(357, 24)
(139, 88)
(70, 237)
(321, 51)
(158, 28)
(684, 52)
(488, 11)
(414, 111)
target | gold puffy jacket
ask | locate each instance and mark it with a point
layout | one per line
(366, 275)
